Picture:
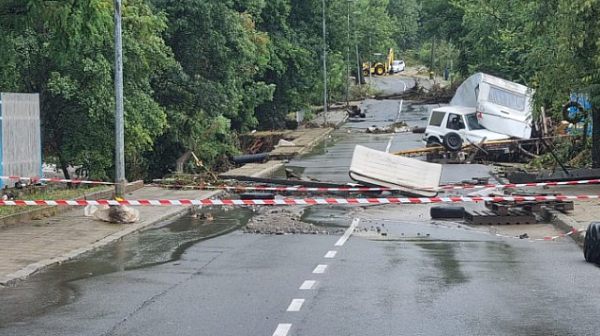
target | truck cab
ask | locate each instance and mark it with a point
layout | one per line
(460, 120)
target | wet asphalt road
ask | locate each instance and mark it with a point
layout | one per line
(422, 278)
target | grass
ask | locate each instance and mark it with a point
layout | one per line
(49, 193)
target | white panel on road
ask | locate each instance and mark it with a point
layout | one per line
(295, 305)
(331, 254)
(411, 176)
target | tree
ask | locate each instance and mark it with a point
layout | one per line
(64, 51)
(406, 16)
(220, 52)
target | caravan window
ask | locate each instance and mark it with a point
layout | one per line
(506, 98)
(436, 118)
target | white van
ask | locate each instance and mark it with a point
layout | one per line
(461, 123)
(398, 66)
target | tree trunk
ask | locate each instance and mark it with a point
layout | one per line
(181, 161)
(64, 166)
(596, 138)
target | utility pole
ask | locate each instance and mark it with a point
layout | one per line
(370, 64)
(119, 128)
(324, 68)
(348, 60)
(431, 65)
(358, 70)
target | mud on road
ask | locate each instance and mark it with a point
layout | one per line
(287, 220)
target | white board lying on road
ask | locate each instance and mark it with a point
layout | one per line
(411, 176)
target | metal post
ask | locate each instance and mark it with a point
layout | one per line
(431, 65)
(358, 73)
(119, 128)
(370, 64)
(324, 68)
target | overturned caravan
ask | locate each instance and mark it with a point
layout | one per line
(502, 106)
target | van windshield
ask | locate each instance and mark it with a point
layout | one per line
(473, 123)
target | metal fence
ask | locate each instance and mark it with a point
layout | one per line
(21, 150)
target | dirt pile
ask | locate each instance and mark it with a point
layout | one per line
(288, 220)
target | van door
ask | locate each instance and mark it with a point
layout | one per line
(456, 123)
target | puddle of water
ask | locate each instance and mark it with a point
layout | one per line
(326, 216)
(322, 147)
(162, 244)
(444, 255)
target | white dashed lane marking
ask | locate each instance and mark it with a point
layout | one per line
(348, 232)
(282, 329)
(295, 305)
(308, 284)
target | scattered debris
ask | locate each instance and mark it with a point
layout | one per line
(355, 112)
(397, 127)
(250, 158)
(553, 176)
(207, 216)
(447, 211)
(514, 216)
(504, 212)
(285, 143)
(120, 214)
(257, 195)
(280, 221)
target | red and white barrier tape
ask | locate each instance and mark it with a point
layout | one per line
(364, 189)
(306, 201)
(521, 185)
(269, 188)
(43, 179)
(572, 232)
(307, 189)
(549, 238)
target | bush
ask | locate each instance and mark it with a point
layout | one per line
(571, 152)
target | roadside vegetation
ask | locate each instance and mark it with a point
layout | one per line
(49, 192)
(200, 72)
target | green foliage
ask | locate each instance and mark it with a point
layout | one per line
(571, 153)
(64, 51)
(406, 14)
(552, 46)
(196, 72)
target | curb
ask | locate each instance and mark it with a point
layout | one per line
(27, 271)
(317, 141)
(563, 222)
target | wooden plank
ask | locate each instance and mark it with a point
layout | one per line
(514, 216)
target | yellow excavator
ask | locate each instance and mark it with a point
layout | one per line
(380, 67)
